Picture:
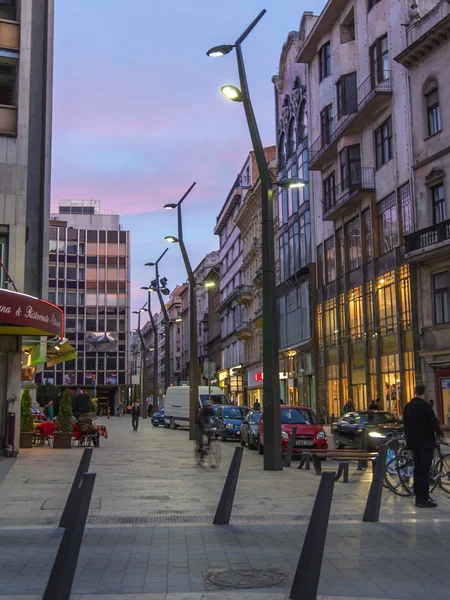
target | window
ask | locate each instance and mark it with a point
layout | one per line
(326, 124)
(379, 56)
(8, 10)
(329, 197)
(367, 221)
(281, 155)
(355, 313)
(372, 3)
(3, 256)
(302, 127)
(297, 254)
(346, 95)
(350, 161)
(291, 250)
(284, 256)
(290, 146)
(388, 224)
(383, 143)
(437, 193)
(8, 75)
(330, 260)
(340, 251)
(404, 193)
(319, 266)
(348, 28)
(441, 298)
(305, 238)
(330, 323)
(294, 192)
(353, 234)
(303, 173)
(295, 317)
(433, 111)
(325, 61)
(284, 200)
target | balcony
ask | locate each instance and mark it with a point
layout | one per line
(367, 99)
(244, 331)
(257, 280)
(244, 295)
(257, 319)
(348, 193)
(429, 243)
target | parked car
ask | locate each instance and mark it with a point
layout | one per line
(176, 404)
(310, 432)
(158, 418)
(229, 420)
(249, 429)
(350, 429)
(38, 415)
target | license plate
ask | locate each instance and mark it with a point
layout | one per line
(304, 442)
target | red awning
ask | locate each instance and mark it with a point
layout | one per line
(21, 314)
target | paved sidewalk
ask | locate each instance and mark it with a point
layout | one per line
(150, 533)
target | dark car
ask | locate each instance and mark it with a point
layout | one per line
(229, 420)
(158, 418)
(249, 429)
(350, 430)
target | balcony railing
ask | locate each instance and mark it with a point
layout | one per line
(244, 329)
(244, 294)
(359, 180)
(356, 103)
(424, 238)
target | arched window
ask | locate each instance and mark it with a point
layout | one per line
(281, 152)
(290, 145)
(431, 93)
(302, 122)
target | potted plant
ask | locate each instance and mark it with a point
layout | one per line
(26, 420)
(64, 428)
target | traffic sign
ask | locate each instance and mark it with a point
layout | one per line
(209, 370)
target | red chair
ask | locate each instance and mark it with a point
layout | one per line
(46, 433)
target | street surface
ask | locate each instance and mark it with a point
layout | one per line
(150, 529)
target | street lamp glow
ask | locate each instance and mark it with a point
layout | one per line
(232, 93)
(291, 183)
(178, 320)
(170, 206)
(209, 284)
(219, 51)
(171, 239)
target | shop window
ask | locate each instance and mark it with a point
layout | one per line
(379, 58)
(333, 400)
(330, 260)
(319, 326)
(441, 298)
(368, 234)
(387, 304)
(354, 252)
(383, 143)
(388, 223)
(410, 375)
(405, 297)
(390, 376)
(369, 309)
(342, 321)
(330, 323)
(355, 314)
(439, 212)
(325, 61)
(404, 193)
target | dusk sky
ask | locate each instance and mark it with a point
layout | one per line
(138, 113)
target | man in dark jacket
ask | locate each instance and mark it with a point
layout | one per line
(421, 430)
(135, 414)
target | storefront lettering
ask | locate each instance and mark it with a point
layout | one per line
(5, 309)
(33, 314)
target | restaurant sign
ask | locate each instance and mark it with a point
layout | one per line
(21, 314)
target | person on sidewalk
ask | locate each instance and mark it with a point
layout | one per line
(149, 410)
(348, 406)
(49, 410)
(257, 405)
(120, 409)
(421, 430)
(135, 414)
(373, 405)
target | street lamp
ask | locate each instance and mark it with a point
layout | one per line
(193, 340)
(142, 378)
(156, 286)
(271, 386)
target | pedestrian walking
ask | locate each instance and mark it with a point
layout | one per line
(49, 410)
(373, 405)
(149, 409)
(135, 414)
(256, 405)
(120, 410)
(378, 403)
(349, 406)
(421, 430)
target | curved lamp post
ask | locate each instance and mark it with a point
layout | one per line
(193, 338)
(271, 386)
(143, 350)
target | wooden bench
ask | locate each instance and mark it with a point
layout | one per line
(344, 457)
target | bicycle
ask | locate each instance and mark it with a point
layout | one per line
(210, 451)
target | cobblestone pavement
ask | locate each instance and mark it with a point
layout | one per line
(149, 532)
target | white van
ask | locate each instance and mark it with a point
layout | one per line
(176, 404)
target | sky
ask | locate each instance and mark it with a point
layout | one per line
(138, 115)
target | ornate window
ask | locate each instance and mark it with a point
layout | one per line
(431, 93)
(302, 128)
(290, 142)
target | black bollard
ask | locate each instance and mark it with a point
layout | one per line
(306, 580)
(290, 449)
(225, 506)
(72, 500)
(373, 505)
(63, 571)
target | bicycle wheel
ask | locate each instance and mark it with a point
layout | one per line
(405, 467)
(214, 454)
(443, 471)
(393, 478)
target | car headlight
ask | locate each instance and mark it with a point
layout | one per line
(375, 434)
(321, 435)
(284, 435)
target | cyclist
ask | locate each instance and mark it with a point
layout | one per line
(203, 425)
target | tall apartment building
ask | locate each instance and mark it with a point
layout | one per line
(26, 71)
(211, 276)
(89, 277)
(249, 293)
(427, 247)
(174, 312)
(295, 277)
(360, 168)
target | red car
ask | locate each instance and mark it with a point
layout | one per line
(310, 433)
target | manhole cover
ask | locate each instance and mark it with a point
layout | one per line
(242, 578)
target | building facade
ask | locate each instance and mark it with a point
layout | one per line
(249, 293)
(360, 174)
(295, 274)
(174, 312)
(26, 67)
(427, 248)
(89, 277)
